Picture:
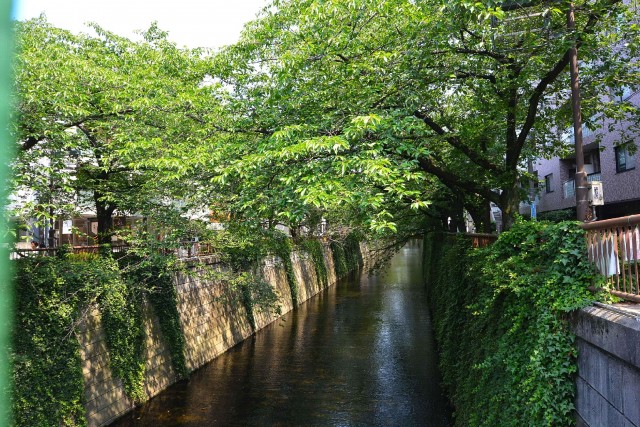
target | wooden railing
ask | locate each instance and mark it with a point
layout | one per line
(481, 240)
(478, 240)
(614, 249)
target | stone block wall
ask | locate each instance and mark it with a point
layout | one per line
(105, 398)
(608, 381)
(210, 325)
(104, 395)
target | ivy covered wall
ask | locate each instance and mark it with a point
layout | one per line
(95, 336)
(501, 322)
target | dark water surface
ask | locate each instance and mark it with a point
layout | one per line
(359, 354)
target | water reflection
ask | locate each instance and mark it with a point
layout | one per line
(359, 354)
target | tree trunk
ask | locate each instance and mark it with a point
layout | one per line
(480, 212)
(104, 214)
(509, 205)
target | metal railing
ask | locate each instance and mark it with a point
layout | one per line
(569, 187)
(614, 249)
(23, 253)
(190, 249)
(187, 249)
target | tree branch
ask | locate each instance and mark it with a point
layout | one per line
(32, 141)
(547, 79)
(458, 144)
(452, 180)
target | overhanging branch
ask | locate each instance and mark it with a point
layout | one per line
(455, 142)
(449, 179)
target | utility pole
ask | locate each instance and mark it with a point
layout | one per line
(582, 202)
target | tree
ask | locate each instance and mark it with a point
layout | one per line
(88, 107)
(391, 94)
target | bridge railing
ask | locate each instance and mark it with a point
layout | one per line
(613, 247)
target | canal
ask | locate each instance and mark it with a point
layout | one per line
(359, 354)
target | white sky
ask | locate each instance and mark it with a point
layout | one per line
(192, 23)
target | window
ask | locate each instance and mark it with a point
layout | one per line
(624, 160)
(622, 93)
(548, 183)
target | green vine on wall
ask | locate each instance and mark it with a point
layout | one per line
(314, 248)
(122, 321)
(282, 248)
(48, 383)
(352, 251)
(500, 317)
(53, 295)
(164, 299)
(155, 273)
(347, 256)
(339, 258)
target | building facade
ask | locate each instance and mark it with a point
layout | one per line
(610, 156)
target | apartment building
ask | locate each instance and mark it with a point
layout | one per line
(610, 158)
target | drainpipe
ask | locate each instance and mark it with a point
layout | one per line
(582, 202)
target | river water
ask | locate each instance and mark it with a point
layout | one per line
(359, 354)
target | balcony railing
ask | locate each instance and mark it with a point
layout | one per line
(614, 249)
(569, 187)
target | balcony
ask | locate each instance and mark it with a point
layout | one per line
(569, 187)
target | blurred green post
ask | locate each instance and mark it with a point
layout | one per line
(6, 153)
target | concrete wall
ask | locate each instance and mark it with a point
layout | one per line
(608, 381)
(209, 323)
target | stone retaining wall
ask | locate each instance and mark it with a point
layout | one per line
(210, 327)
(608, 381)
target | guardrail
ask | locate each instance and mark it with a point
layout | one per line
(614, 249)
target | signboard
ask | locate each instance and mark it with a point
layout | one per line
(94, 228)
(67, 226)
(596, 196)
(534, 211)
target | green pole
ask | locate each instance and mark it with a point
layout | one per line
(6, 153)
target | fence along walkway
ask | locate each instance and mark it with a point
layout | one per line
(187, 249)
(614, 249)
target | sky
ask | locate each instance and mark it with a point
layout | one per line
(192, 23)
